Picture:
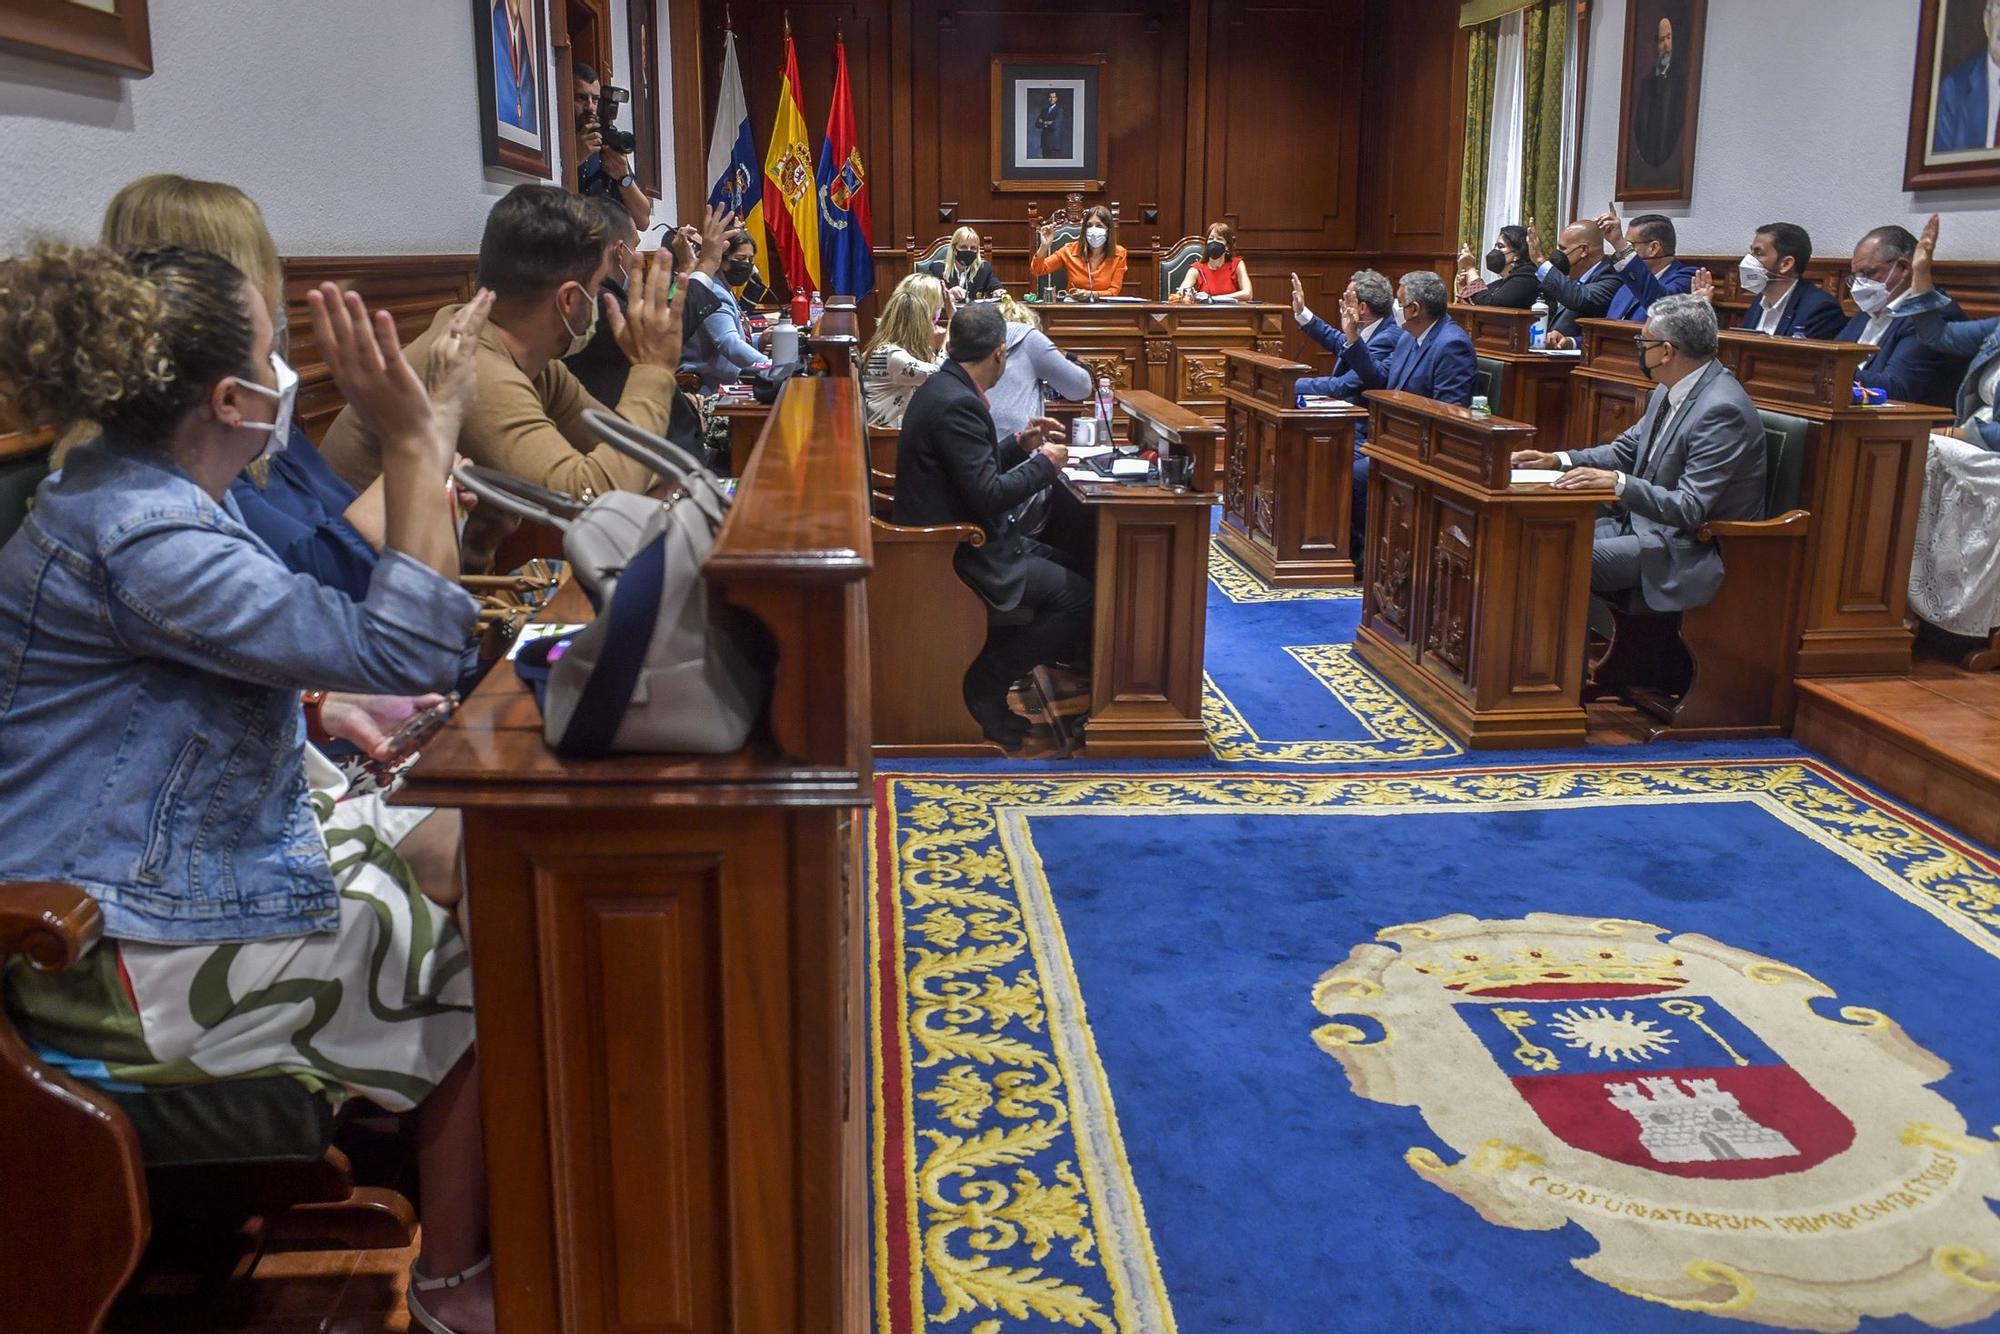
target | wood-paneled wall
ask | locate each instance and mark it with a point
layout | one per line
(1327, 132)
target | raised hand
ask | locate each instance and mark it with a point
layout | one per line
(1045, 236)
(366, 360)
(1350, 316)
(1535, 252)
(716, 224)
(1612, 229)
(648, 330)
(1920, 263)
(1466, 263)
(450, 372)
(1703, 285)
(1298, 300)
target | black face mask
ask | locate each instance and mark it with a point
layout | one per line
(1216, 249)
(738, 271)
(965, 258)
(1496, 260)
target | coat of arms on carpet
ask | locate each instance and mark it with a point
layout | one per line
(1735, 1139)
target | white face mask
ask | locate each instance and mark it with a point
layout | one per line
(1871, 296)
(1401, 318)
(287, 394)
(1751, 274)
(1095, 235)
(579, 341)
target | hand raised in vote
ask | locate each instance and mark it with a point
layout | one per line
(1703, 285)
(648, 330)
(1298, 300)
(1586, 479)
(366, 360)
(684, 244)
(1045, 236)
(1534, 458)
(1466, 263)
(450, 372)
(1350, 316)
(1920, 262)
(1612, 229)
(716, 224)
(1535, 252)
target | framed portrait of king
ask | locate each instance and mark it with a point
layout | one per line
(1048, 126)
(511, 43)
(1954, 118)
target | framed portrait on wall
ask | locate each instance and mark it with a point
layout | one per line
(1952, 116)
(1048, 123)
(111, 35)
(511, 42)
(1664, 41)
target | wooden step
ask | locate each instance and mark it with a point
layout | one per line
(1931, 739)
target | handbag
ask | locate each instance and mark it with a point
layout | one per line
(664, 665)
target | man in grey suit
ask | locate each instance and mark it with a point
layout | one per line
(1695, 454)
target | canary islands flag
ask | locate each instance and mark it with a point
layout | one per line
(788, 186)
(732, 156)
(846, 234)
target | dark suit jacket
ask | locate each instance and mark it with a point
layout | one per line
(951, 468)
(1906, 368)
(1642, 287)
(1443, 367)
(1657, 115)
(1585, 298)
(1346, 384)
(1964, 120)
(1053, 124)
(1813, 312)
(1517, 289)
(983, 283)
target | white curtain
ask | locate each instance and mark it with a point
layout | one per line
(1567, 186)
(1503, 157)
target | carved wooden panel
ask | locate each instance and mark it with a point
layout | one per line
(1448, 595)
(1264, 498)
(1235, 488)
(1392, 561)
(1202, 375)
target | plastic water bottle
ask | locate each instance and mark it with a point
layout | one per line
(1538, 332)
(785, 341)
(817, 309)
(1103, 411)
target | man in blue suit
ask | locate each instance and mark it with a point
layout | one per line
(1381, 332)
(514, 99)
(1435, 359)
(1965, 110)
(1643, 256)
(1786, 305)
(1053, 123)
(1904, 367)
(1584, 290)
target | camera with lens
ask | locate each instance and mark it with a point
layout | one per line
(615, 139)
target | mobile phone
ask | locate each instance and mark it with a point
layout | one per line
(423, 726)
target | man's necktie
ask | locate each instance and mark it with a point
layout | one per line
(1996, 129)
(1653, 437)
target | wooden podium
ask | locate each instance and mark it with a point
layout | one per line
(1171, 348)
(1288, 490)
(1864, 473)
(1477, 592)
(667, 953)
(1534, 386)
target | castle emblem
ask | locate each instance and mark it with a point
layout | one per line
(793, 175)
(1736, 1141)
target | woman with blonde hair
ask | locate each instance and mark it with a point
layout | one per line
(1036, 368)
(907, 347)
(964, 272)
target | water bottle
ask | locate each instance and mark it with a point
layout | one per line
(1103, 412)
(1538, 332)
(785, 341)
(817, 309)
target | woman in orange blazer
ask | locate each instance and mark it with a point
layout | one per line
(1094, 262)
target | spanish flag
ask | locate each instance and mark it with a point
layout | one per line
(790, 216)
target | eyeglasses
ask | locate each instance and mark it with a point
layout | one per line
(1644, 343)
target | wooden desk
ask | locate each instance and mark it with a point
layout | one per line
(1151, 620)
(1477, 591)
(1170, 348)
(747, 418)
(1167, 428)
(667, 954)
(1288, 492)
(1864, 473)
(1534, 385)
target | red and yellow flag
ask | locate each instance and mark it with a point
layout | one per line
(790, 216)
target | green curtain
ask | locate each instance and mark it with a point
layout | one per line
(1484, 44)
(1545, 56)
(1472, 13)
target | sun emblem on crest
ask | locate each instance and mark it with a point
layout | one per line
(1736, 1140)
(1615, 1037)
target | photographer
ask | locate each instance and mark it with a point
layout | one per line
(607, 166)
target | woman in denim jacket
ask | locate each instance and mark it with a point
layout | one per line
(152, 651)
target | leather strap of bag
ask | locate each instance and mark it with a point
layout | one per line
(663, 457)
(504, 491)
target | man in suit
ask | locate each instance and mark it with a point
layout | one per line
(1380, 331)
(1052, 122)
(1434, 359)
(514, 68)
(1585, 291)
(1643, 257)
(1904, 367)
(1662, 102)
(951, 467)
(1695, 454)
(1786, 305)
(1966, 114)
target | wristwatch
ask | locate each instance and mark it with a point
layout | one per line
(629, 180)
(315, 723)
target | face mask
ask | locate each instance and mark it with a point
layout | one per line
(1401, 318)
(1216, 249)
(1871, 296)
(1095, 235)
(578, 341)
(737, 272)
(1751, 275)
(287, 394)
(1496, 260)
(1647, 366)
(966, 258)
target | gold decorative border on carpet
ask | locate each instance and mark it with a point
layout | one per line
(1239, 583)
(1397, 732)
(997, 1150)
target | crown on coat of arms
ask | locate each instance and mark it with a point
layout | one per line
(1473, 972)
